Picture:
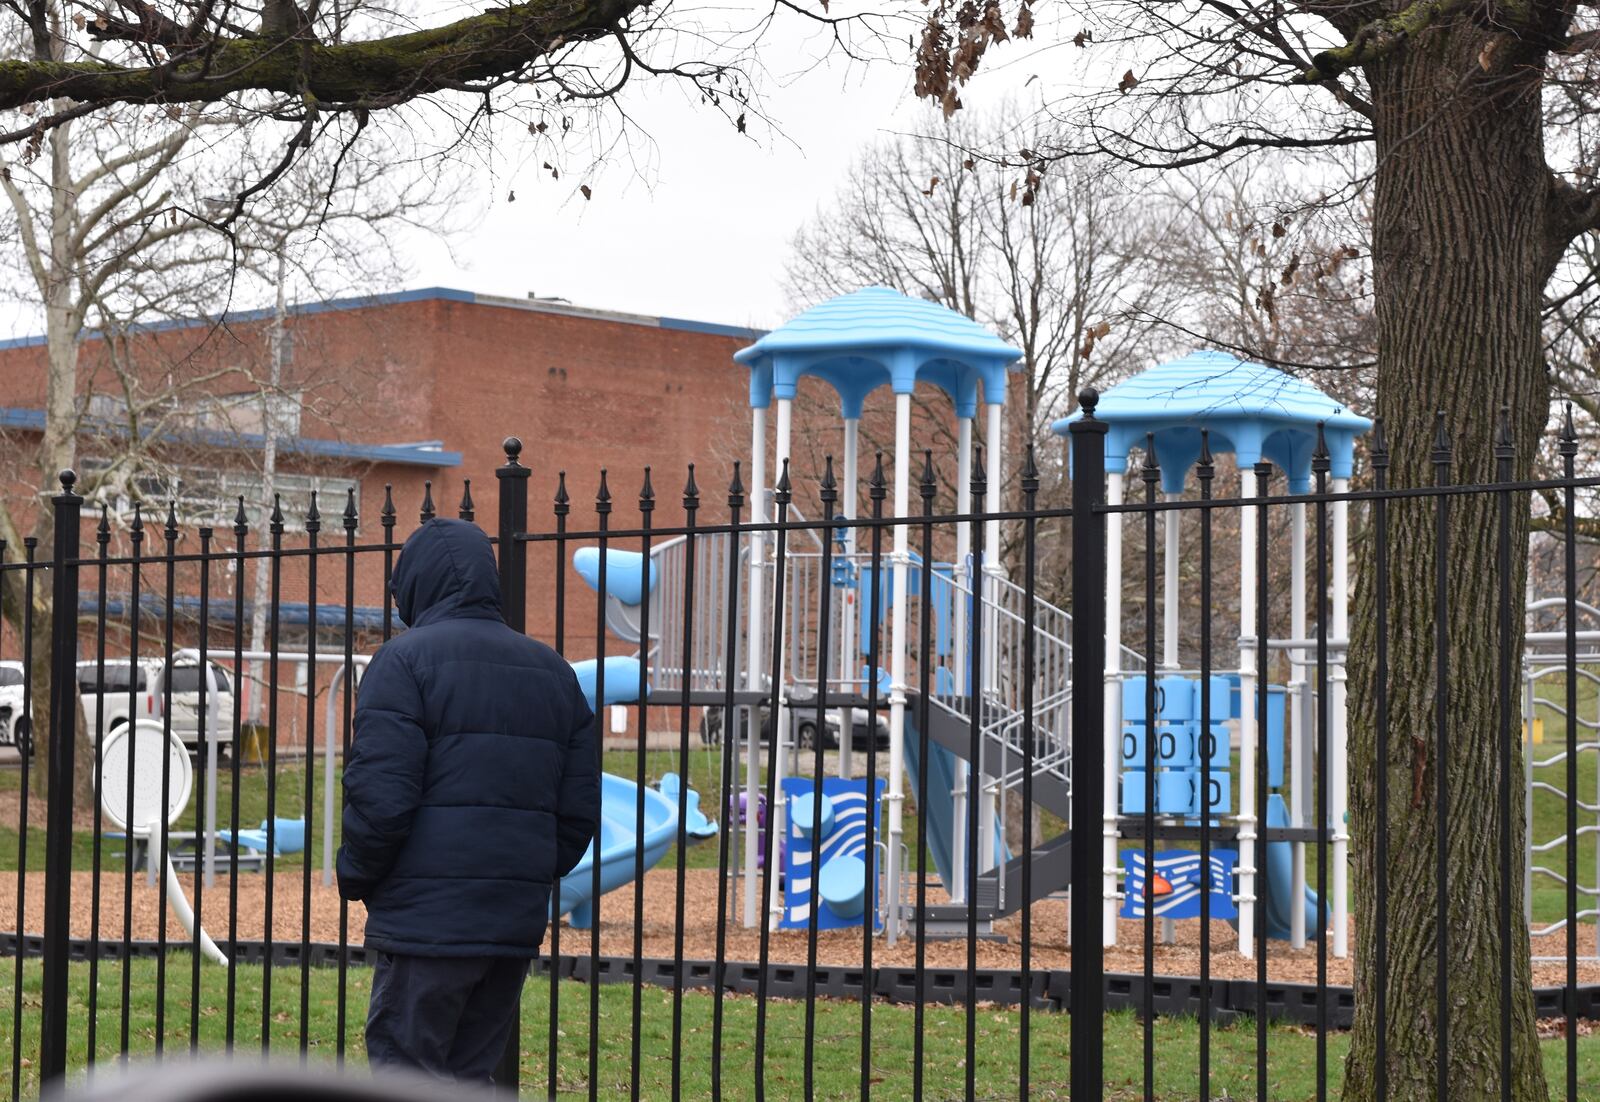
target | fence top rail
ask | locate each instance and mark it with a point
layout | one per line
(933, 520)
(231, 554)
(945, 519)
(1387, 494)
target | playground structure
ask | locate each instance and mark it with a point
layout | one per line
(862, 341)
(1256, 413)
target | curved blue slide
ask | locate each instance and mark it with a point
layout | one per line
(619, 842)
(1280, 883)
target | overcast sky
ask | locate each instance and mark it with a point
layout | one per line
(688, 218)
(695, 220)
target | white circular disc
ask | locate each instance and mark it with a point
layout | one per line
(147, 802)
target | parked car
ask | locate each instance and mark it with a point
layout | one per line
(12, 681)
(148, 684)
(803, 722)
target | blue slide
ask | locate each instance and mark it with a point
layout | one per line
(619, 842)
(1280, 882)
(940, 811)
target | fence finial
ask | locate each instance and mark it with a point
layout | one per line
(929, 484)
(428, 511)
(1088, 398)
(1030, 473)
(1151, 471)
(68, 478)
(136, 529)
(691, 491)
(276, 520)
(467, 510)
(171, 526)
(1380, 445)
(241, 519)
(783, 489)
(314, 515)
(102, 531)
(1321, 460)
(602, 498)
(877, 485)
(647, 493)
(1204, 467)
(350, 515)
(563, 502)
(513, 449)
(1504, 448)
(736, 486)
(980, 480)
(828, 491)
(1441, 440)
(1569, 434)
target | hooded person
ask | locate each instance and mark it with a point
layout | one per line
(471, 789)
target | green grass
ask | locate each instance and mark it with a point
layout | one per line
(1291, 1050)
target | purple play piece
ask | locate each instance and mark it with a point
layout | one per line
(761, 820)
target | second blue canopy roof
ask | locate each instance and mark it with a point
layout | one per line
(1252, 410)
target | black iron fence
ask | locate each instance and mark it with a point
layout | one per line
(1003, 865)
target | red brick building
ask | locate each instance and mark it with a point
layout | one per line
(397, 391)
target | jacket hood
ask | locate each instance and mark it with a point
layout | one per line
(446, 569)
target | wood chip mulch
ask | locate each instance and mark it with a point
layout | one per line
(1051, 949)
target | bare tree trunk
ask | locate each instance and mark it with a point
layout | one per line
(1459, 234)
(57, 451)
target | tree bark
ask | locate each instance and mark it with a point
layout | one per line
(1458, 237)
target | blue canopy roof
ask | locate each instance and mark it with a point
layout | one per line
(1252, 410)
(858, 342)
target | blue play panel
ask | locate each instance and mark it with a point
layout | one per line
(843, 894)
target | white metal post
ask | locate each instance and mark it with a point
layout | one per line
(1169, 631)
(963, 682)
(1301, 711)
(993, 569)
(1247, 714)
(780, 707)
(901, 559)
(1339, 750)
(1169, 587)
(756, 617)
(1111, 868)
(849, 656)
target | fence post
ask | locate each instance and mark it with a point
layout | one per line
(1087, 438)
(58, 812)
(512, 478)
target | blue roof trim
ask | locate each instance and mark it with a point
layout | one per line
(419, 294)
(410, 455)
(295, 613)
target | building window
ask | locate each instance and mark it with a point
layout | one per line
(209, 496)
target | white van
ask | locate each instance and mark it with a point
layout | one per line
(12, 685)
(148, 686)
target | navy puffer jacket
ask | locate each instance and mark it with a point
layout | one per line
(472, 785)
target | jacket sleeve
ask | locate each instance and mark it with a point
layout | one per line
(383, 777)
(578, 814)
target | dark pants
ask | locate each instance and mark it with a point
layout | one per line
(449, 1017)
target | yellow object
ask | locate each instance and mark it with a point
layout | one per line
(255, 745)
(1538, 731)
